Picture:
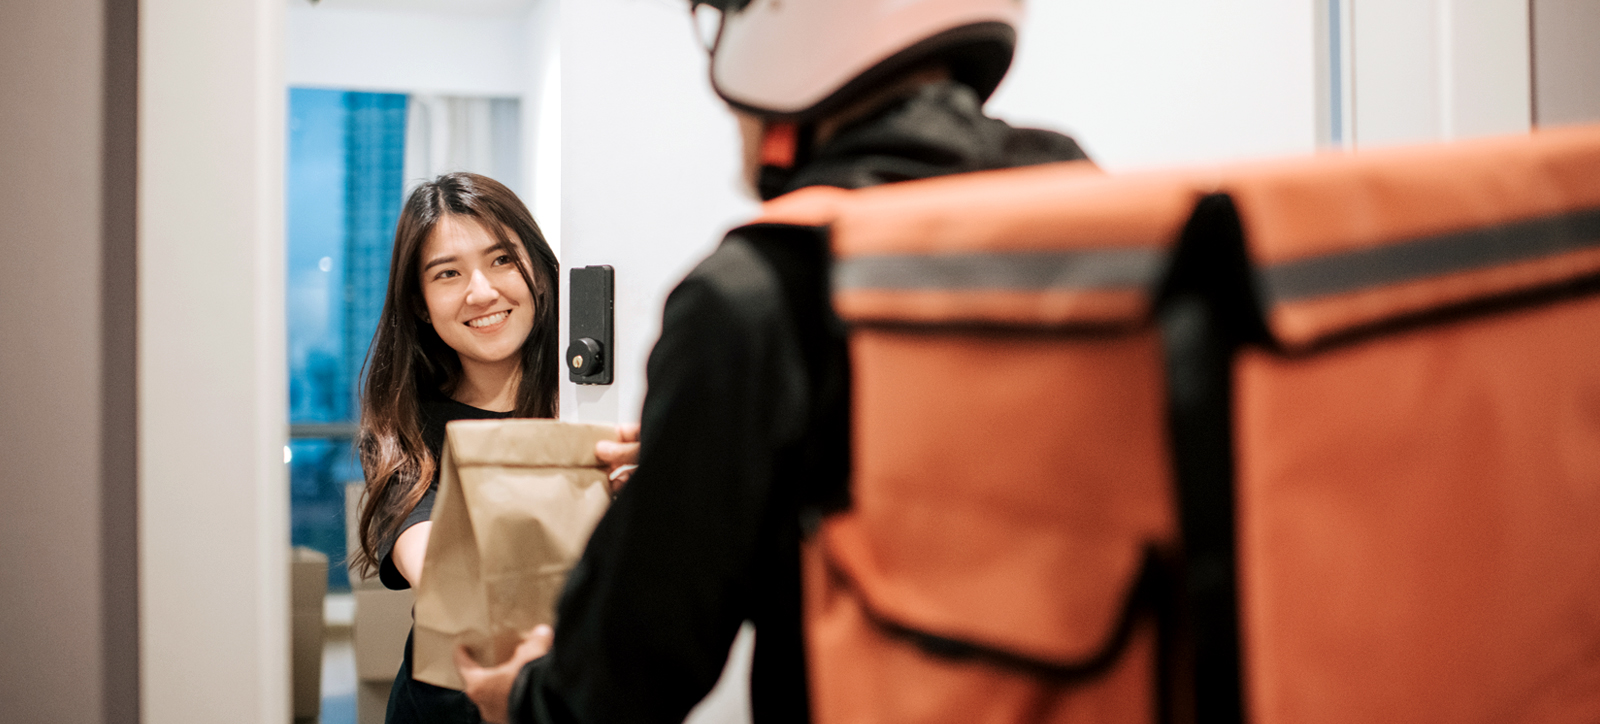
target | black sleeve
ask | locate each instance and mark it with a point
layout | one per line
(648, 614)
(388, 574)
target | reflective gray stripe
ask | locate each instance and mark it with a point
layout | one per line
(1431, 256)
(1020, 271)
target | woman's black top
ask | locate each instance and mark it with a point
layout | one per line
(435, 413)
(412, 701)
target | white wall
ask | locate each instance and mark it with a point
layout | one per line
(1432, 70)
(213, 492)
(1162, 82)
(1166, 82)
(541, 120)
(649, 169)
(417, 48)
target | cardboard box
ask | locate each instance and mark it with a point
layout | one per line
(372, 701)
(308, 583)
(382, 622)
(352, 542)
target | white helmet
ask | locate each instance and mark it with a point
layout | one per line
(798, 59)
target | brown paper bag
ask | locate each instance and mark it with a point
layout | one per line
(516, 504)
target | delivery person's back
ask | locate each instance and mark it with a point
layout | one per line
(745, 421)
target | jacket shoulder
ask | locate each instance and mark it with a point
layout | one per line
(738, 276)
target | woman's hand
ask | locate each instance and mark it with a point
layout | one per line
(621, 457)
(490, 688)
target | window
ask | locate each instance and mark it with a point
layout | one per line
(352, 157)
(345, 179)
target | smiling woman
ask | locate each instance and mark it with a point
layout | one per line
(480, 304)
(468, 331)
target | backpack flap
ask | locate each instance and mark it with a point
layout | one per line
(1350, 243)
(1010, 479)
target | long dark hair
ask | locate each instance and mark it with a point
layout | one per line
(408, 362)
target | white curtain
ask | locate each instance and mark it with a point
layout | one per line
(463, 133)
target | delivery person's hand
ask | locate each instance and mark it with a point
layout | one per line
(621, 457)
(490, 688)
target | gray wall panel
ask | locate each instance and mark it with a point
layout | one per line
(1566, 62)
(68, 586)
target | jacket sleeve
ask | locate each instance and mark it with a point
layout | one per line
(648, 614)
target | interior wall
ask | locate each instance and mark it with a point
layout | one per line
(67, 566)
(406, 49)
(541, 120)
(213, 493)
(649, 173)
(1433, 70)
(1566, 61)
(1487, 60)
(1165, 82)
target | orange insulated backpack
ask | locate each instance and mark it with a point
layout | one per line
(1282, 443)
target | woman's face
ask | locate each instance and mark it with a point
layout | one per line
(477, 300)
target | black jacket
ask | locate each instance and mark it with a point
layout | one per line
(743, 432)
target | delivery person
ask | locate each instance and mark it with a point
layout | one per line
(745, 421)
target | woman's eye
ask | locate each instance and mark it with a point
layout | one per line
(502, 259)
(447, 274)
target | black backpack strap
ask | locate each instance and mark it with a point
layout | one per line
(1207, 310)
(799, 257)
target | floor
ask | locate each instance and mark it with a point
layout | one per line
(728, 703)
(338, 662)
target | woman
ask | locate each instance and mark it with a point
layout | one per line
(468, 331)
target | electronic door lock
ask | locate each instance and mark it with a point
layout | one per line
(590, 300)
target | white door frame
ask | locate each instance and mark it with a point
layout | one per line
(213, 493)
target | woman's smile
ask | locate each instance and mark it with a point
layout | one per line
(489, 322)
